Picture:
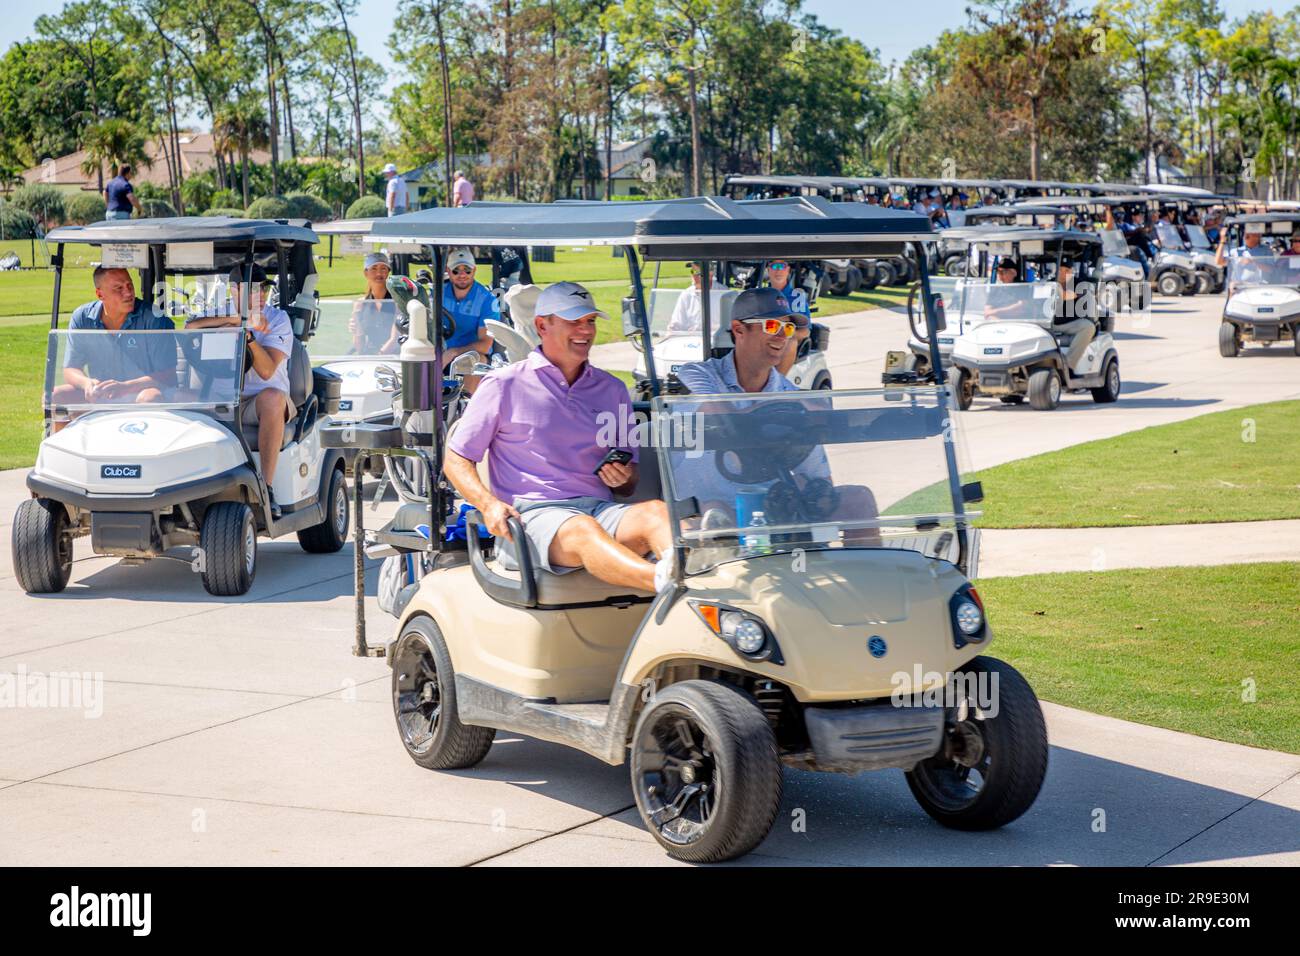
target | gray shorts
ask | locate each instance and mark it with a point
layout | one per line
(248, 409)
(542, 520)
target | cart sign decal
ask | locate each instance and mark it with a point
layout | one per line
(345, 404)
(119, 471)
(877, 646)
(133, 428)
(995, 350)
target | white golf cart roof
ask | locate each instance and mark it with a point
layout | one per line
(185, 229)
(676, 229)
(346, 227)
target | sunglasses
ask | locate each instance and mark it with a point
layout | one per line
(778, 266)
(773, 326)
(462, 271)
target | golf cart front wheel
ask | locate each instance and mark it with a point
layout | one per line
(1295, 340)
(963, 389)
(1109, 391)
(332, 533)
(1229, 343)
(994, 756)
(705, 771)
(424, 702)
(1204, 283)
(228, 540)
(42, 546)
(1044, 389)
(1169, 283)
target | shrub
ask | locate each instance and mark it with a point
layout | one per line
(41, 201)
(225, 199)
(156, 209)
(223, 211)
(16, 223)
(307, 206)
(83, 208)
(367, 207)
(145, 191)
(197, 191)
(269, 207)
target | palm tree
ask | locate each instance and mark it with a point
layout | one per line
(244, 124)
(113, 141)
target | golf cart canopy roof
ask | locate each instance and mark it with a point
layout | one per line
(796, 227)
(345, 227)
(1071, 242)
(1293, 216)
(1067, 201)
(185, 229)
(1031, 207)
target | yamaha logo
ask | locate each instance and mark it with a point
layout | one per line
(133, 428)
(877, 646)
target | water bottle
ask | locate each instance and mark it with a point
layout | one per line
(758, 542)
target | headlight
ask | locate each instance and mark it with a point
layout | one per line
(969, 618)
(745, 633)
(968, 623)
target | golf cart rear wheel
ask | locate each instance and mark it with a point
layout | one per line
(332, 533)
(963, 389)
(1109, 391)
(822, 382)
(228, 540)
(1044, 389)
(1229, 343)
(705, 771)
(1204, 283)
(42, 546)
(424, 702)
(886, 273)
(1169, 283)
(991, 767)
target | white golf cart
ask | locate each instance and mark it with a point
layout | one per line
(173, 465)
(1011, 345)
(1263, 304)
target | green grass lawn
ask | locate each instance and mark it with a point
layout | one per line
(22, 371)
(1170, 647)
(1199, 470)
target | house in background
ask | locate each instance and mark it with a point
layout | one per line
(196, 156)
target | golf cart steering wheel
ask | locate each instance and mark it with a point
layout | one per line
(787, 503)
(782, 428)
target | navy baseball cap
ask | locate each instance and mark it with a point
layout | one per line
(761, 304)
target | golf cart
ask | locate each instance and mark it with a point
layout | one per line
(1263, 304)
(1009, 344)
(823, 637)
(174, 464)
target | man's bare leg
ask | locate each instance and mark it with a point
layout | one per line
(582, 542)
(270, 429)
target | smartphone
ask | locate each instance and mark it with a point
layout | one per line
(615, 455)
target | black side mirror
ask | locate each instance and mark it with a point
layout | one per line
(936, 303)
(631, 317)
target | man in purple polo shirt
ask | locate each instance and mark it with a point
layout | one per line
(540, 422)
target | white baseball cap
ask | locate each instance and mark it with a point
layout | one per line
(460, 257)
(377, 259)
(569, 301)
(390, 168)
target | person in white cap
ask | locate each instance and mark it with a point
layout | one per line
(470, 305)
(373, 326)
(559, 436)
(395, 197)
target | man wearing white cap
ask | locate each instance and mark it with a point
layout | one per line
(545, 425)
(470, 305)
(395, 199)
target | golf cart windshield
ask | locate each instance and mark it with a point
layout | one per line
(1168, 235)
(1197, 237)
(1113, 243)
(357, 329)
(777, 471)
(91, 369)
(1246, 271)
(1006, 302)
(679, 311)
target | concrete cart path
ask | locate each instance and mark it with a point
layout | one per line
(1007, 553)
(1169, 362)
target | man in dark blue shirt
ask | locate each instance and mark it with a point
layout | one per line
(119, 194)
(103, 369)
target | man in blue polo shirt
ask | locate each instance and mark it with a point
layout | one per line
(470, 304)
(122, 368)
(119, 195)
(780, 277)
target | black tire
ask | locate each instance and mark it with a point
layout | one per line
(427, 719)
(886, 272)
(229, 559)
(954, 265)
(822, 382)
(42, 546)
(1044, 389)
(870, 278)
(1011, 764)
(331, 534)
(854, 281)
(1204, 283)
(1229, 342)
(963, 389)
(1169, 283)
(1011, 399)
(1295, 343)
(1109, 391)
(725, 807)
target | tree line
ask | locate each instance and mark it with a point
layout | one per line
(547, 88)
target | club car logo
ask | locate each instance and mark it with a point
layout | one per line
(877, 646)
(119, 471)
(995, 350)
(133, 428)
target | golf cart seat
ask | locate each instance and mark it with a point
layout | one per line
(300, 393)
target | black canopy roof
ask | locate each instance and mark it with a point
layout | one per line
(185, 229)
(1029, 208)
(795, 227)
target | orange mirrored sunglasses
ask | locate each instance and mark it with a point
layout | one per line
(773, 326)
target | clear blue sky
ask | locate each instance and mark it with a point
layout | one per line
(894, 28)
